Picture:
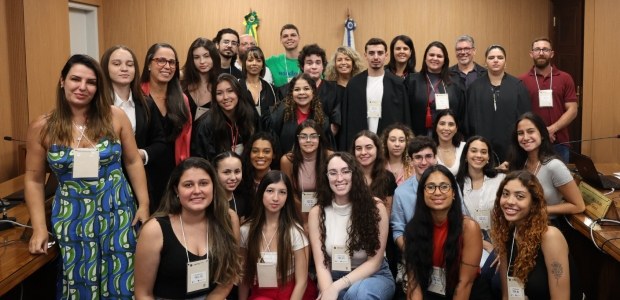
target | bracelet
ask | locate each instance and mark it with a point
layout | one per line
(346, 281)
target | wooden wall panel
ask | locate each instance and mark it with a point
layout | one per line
(510, 23)
(601, 112)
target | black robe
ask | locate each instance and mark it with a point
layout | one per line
(285, 130)
(498, 124)
(394, 107)
(268, 100)
(417, 91)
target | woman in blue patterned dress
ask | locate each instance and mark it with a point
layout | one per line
(83, 141)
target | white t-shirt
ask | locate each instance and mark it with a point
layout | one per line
(483, 198)
(374, 94)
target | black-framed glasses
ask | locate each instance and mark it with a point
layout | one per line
(464, 49)
(541, 50)
(160, 61)
(420, 157)
(443, 188)
(306, 137)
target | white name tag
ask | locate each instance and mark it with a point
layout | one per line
(545, 98)
(516, 291)
(200, 111)
(483, 218)
(308, 200)
(197, 275)
(269, 257)
(267, 275)
(238, 149)
(85, 163)
(438, 281)
(341, 261)
(442, 101)
(374, 108)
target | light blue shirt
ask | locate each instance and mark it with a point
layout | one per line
(403, 206)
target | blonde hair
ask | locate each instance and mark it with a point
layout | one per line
(358, 66)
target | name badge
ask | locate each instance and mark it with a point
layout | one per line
(85, 163)
(442, 101)
(266, 270)
(197, 275)
(341, 261)
(483, 218)
(238, 149)
(545, 98)
(308, 200)
(374, 108)
(200, 111)
(438, 281)
(516, 291)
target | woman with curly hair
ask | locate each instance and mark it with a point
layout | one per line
(395, 139)
(193, 225)
(301, 103)
(348, 231)
(302, 165)
(275, 246)
(534, 257)
(345, 64)
(532, 150)
(200, 72)
(442, 246)
(229, 124)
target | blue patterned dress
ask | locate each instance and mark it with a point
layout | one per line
(91, 218)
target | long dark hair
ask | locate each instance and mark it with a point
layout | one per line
(297, 159)
(315, 104)
(247, 182)
(191, 75)
(363, 230)
(177, 111)
(244, 113)
(458, 136)
(410, 68)
(517, 156)
(445, 69)
(419, 236)
(224, 256)
(488, 170)
(379, 187)
(287, 222)
(136, 92)
(59, 127)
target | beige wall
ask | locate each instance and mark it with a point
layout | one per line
(513, 24)
(601, 106)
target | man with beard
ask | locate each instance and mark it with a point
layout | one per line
(227, 42)
(466, 70)
(374, 99)
(246, 42)
(552, 93)
(284, 66)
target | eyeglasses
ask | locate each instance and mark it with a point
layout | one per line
(160, 61)
(443, 188)
(464, 49)
(333, 174)
(251, 44)
(307, 137)
(229, 42)
(427, 157)
(543, 50)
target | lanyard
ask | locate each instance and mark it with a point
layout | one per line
(234, 135)
(430, 84)
(268, 243)
(536, 77)
(511, 251)
(82, 129)
(185, 241)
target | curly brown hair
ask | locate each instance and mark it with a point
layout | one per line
(364, 229)
(528, 238)
(315, 104)
(405, 158)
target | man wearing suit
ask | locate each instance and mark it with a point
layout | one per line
(374, 99)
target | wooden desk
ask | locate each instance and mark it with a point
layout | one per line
(16, 262)
(598, 272)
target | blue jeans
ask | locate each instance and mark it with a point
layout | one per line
(562, 151)
(379, 286)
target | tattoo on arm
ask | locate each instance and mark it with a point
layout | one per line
(557, 270)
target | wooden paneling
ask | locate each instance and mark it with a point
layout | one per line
(510, 23)
(601, 108)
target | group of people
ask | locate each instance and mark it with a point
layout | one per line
(224, 177)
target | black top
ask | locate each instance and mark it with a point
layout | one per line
(285, 130)
(161, 167)
(171, 279)
(232, 70)
(193, 106)
(465, 80)
(268, 100)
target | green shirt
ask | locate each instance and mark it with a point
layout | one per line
(282, 68)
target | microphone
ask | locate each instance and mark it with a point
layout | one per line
(617, 136)
(11, 139)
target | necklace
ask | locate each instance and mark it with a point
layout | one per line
(536, 169)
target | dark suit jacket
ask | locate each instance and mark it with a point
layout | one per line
(394, 107)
